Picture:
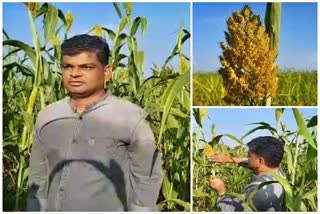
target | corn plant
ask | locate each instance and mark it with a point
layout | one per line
(33, 78)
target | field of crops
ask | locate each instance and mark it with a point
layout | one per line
(32, 80)
(296, 88)
(299, 162)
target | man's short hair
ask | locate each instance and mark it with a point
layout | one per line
(86, 43)
(269, 148)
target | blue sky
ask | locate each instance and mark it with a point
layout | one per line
(298, 33)
(164, 20)
(236, 121)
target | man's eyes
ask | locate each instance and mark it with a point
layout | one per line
(85, 67)
(88, 67)
(67, 67)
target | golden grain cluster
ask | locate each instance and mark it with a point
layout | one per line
(248, 70)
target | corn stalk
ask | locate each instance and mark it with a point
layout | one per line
(272, 22)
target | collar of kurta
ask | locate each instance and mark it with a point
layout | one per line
(102, 101)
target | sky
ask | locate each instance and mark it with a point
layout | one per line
(164, 20)
(236, 121)
(298, 33)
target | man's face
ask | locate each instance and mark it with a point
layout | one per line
(83, 74)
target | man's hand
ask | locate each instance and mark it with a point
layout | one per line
(220, 158)
(218, 185)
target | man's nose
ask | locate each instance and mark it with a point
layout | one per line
(76, 71)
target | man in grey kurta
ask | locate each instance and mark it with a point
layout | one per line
(269, 198)
(103, 158)
(264, 157)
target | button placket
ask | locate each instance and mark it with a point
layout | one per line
(66, 168)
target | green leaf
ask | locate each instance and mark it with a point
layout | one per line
(25, 174)
(196, 115)
(310, 193)
(5, 34)
(216, 140)
(234, 138)
(123, 24)
(289, 161)
(185, 205)
(8, 143)
(289, 197)
(264, 126)
(298, 197)
(10, 53)
(200, 194)
(117, 8)
(167, 188)
(24, 69)
(303, 128)
(50, 22)
(117, 60)
(186, 99)
(119, 40)
(313, 122)
(173, 111)
(172, 123)
(138, 57)
(144, 23)
(175, 50)
(241, 178)
(168, 97)
(311, 154)
(23, 46)
(179, 42)
(110, 33)
(135, 25)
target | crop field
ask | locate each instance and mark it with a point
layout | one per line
(32, 80)
(299, 162)
(296, 88)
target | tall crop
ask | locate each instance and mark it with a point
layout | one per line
(299, 163)
(32, 80)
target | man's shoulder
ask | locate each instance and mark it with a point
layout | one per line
(51, 111)
(126, 108)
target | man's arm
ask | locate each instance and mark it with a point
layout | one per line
(145, 167)
(38, 177)
(222, 159)
(225, 202)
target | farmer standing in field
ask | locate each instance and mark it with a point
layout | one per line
(264, 157)
(92, 151)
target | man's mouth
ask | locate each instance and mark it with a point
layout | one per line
(76, 83)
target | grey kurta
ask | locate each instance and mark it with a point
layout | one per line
(269, 198)
(103, 159)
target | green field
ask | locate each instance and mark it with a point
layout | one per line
(296, 88)
(32, 80)
(299, 162)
